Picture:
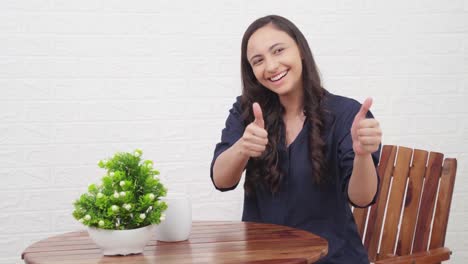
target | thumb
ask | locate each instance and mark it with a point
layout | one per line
(257, 111)
(364, 109)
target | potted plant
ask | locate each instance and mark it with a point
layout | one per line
(123, 210)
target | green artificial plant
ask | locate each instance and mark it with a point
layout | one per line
(127, 198)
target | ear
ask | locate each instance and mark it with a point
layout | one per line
(300, 53)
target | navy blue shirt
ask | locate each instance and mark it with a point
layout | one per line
(300, 203)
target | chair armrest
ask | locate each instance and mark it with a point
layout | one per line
(432, 256)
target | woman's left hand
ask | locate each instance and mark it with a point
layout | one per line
(365, 132)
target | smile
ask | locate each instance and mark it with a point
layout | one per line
(278, 77)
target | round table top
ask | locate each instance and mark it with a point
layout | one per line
(209, 242)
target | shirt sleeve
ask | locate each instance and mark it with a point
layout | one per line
(346, 157)
(231, 133)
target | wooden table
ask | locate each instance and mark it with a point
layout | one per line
(209, 242)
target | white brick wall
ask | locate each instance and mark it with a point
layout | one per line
(80, 80)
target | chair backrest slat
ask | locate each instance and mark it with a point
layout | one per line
(447, 181)
(423, 183)
(377, 211)
(395, 203)
(360, 217)
(412, 200)
(426, 209)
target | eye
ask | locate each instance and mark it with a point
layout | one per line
(256, 62)
(278, 50)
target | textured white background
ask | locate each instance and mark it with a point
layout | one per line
(80, 80)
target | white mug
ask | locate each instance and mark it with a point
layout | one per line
(178, 222)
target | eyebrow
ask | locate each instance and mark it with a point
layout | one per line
(270, 49)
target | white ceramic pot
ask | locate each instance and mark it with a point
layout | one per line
(178, 223)
(122, 242)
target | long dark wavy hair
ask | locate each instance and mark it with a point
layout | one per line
(265, 169)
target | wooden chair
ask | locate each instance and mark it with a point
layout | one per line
(415, 183)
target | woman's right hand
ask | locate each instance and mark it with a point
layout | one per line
(255, 137)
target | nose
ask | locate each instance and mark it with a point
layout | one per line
(271, 65)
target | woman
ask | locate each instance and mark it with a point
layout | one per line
(307, 153)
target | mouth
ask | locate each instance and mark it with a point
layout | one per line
(278, 76)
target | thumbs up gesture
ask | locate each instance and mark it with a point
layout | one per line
(365, 132)
(255, 137)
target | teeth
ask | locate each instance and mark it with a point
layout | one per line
(279, 76)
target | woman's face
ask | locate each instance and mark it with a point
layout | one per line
(275, 60)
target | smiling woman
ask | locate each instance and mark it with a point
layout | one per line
(307, 153)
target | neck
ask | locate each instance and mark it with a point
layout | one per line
(293, 104)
